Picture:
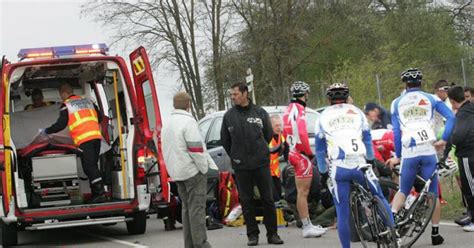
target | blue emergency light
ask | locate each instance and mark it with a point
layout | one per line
(63, 51)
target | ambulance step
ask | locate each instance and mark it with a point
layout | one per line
(74, 223)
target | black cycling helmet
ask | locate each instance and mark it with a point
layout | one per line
(412, 75)
(299, 88)
(337, 92)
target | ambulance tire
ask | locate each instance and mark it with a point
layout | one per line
(9, 234)
(138, 224)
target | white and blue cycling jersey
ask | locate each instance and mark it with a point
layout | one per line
(413, 120)
(343, 137)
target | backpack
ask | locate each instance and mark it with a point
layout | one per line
(228, 194)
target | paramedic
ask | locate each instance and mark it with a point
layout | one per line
(37, 100)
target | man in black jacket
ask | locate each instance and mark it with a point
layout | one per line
(245, 134)
(463, 138)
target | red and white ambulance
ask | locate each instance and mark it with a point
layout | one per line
(42, 183)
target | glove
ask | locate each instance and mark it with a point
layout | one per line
(372, 162)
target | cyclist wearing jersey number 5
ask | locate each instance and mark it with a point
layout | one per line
(415, 141)
(343, 136)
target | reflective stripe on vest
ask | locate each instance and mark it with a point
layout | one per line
(274, 146)
(83, 122)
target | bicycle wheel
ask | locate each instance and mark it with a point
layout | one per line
(389, 189)
(361, 224)
(421, 212)
(384, 230)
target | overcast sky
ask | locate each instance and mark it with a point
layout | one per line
(27, 24)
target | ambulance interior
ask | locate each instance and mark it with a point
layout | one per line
(47, 169)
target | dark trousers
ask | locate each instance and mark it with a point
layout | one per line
(276, 188)
(193, 194)
(466, 171)
(261, 177)
(90, 159)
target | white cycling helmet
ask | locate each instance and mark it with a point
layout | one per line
(299, 88)
(449, 169)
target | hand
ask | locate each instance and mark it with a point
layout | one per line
(392, 162)
(440, 145)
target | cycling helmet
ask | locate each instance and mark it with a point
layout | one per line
(337, 92)
(299, 88)
(412, 75)
(449, 168)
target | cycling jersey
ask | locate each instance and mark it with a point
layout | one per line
(296, 135)
(343, 134)
(414, 135)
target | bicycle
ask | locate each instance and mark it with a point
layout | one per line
(370, 216)
(412, 221)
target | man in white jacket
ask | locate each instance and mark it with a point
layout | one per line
(187, 162)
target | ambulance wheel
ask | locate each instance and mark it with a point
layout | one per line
(138, 224)
(9, 234)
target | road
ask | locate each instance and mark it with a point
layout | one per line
(228, 237)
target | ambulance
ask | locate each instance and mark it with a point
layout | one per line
(42, 183)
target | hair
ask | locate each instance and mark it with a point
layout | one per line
(440, 83)
(275, 117)
(413, 85)
(37, 92)
(181, 101)
(242, 87)
(456, 93)
(66, 88)
(470, 89)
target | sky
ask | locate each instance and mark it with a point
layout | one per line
(28, 24)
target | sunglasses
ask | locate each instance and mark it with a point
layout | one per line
(444, 88)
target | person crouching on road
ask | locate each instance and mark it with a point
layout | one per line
(278, 147)
(187, 162)
(245, 134)
(82, 118)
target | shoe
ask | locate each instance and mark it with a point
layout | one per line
(321, 228)
(469, 228)
(436, 239)
(311, 231)
(463, 220)
(98, 193)
(275, 239)
(169, 224)
(212, 224)
(253, 241)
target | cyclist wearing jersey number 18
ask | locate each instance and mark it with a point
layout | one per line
(415, 141)
(343, 136)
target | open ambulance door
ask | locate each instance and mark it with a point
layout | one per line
(148, 121)
(4, 194)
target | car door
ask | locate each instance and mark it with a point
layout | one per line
(148, 120)
(215, 148)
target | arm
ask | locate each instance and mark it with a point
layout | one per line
(397, 135)
(225, 136)
(448, 115)
(321, 148)
(61, 123)
(195, 146)
(367, 138)
(267, 127)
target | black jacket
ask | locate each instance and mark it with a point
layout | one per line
(463, 133)
(245, 134)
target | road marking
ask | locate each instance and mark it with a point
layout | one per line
(448, 224)
(118, 241)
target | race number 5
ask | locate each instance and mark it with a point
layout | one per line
(355, 147)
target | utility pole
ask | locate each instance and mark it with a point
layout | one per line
(463, 73)
(378, 89)
(249, 80)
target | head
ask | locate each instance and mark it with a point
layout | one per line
(456, 96)
(469, 93)
(372, 111)
(65, 91)
(277, 124)
(441, 89)
(239, 94)
(412, 78)
(337, 93)
(182, 101)
(300, 90)
(37, 97)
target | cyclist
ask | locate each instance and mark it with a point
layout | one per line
(300, 156)
(343, 135)
(415, 141)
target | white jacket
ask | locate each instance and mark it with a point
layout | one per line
(183, 149)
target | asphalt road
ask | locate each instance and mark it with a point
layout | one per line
(228, 237)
